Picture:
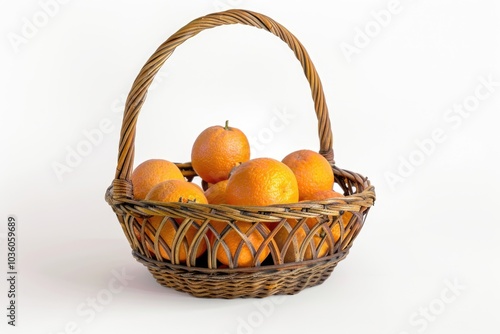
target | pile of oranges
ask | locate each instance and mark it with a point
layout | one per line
(220, 156)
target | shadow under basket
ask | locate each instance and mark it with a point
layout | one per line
(279, 249)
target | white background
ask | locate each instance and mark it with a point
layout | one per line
(435, 226)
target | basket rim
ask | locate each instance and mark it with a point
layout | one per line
(353, 202)
(340, 202)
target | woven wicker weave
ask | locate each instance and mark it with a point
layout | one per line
(204, 276)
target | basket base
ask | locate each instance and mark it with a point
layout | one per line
(287, 279)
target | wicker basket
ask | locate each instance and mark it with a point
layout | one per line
(204, 276)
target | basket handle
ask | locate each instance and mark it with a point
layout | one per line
(138, 92)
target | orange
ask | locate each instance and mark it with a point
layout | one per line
(293, 252)
(261, 182)
(216, 194)
(319, 196)
(312, 170)
(345, 218)
(322, 195)
(234, 241)
(175, 191)
(217, 150)
(150, 173)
